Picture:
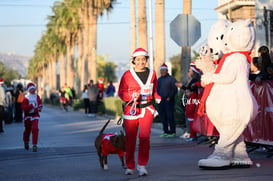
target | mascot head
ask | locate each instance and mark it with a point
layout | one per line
(241, 36)
(217, 38)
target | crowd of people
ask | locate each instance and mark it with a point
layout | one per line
(138, 88)
(10, 103)
(24, 106)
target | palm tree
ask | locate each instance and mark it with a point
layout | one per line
(133, 24)
(97, 8)
(73, 23)
(159, 35)
(142, 24)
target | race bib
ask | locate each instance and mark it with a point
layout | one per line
(147, 90)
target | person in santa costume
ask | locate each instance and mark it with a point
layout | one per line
(31, 106)
(137, 89)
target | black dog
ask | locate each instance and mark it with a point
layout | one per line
(109, 144)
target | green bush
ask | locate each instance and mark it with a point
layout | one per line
(109, 105)
(113, 106)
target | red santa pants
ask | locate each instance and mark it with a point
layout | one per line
(131, 130)
(31, 127)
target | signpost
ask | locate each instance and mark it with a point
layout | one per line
(185, 30)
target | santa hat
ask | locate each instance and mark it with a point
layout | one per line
(194, 68)
(30, 86)
(140, 51)
(163, 67)
(100, 80)
(1, 81)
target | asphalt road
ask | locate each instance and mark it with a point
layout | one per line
(66, 152)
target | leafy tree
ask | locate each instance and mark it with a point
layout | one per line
(105, 69)
(8, 74)
(175, 60)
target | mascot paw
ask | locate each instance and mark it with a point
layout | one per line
(214, 164)
(204, 62)
(215, 161)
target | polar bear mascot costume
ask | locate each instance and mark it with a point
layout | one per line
(229, 102)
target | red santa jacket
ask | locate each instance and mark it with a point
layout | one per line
(31, 106)
(130, 83)
(108, 148)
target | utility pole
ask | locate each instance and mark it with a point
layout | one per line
(186, 50)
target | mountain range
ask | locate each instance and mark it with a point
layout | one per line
(16, 62)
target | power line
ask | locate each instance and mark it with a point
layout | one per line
(99, 23)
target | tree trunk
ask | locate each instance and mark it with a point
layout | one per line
(142, 24)
(133, 24)
(159, 35)
(54, 73)
(80, 60)
(69, 62)
(92, 64)
(62, 69)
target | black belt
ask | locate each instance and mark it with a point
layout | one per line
(141, 105)
(32, 114)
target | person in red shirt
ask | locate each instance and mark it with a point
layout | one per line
(31, 106)
(191, 109)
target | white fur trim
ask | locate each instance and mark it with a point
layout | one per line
(31, 87)
(140, 53)
(195, 70)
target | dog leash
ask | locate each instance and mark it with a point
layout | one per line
(132, 111)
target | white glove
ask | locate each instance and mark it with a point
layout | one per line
(34, 105)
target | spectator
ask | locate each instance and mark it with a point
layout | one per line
(167, 90)
(2, 104)
(19, 97)
(264, 59)
(254, 69)
(110, 91)
(86, 99)
(137, 88)
(270, 72)
(101, 88)
(31, 106)
(191, 109)
(93, 93)
(63, 99)
(194, 75)
(69, 93)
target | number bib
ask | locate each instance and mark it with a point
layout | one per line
(146, 90)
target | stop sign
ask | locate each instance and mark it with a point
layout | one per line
(185, 29)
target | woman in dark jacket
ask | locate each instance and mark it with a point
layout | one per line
(19, 97)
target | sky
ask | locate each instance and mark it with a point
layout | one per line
(22, 23)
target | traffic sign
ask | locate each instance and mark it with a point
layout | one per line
(185, 29)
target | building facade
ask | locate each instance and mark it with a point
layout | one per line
(259, 11)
